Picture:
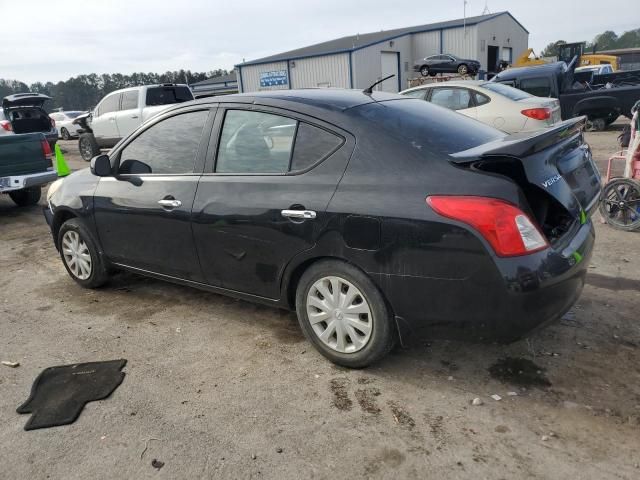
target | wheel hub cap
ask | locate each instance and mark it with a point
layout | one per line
(339, 314)
(76, 255)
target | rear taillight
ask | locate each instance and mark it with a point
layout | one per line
(6, 125)
(53, 122)
(508, 229)
(537, 113)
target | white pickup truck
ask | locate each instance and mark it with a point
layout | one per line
(121, 112)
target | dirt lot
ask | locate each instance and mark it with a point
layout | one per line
(218, 388)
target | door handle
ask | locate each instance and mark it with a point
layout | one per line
(302, 214)
(166, 203)
(134, 116)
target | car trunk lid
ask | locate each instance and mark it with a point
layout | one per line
(24, 100)
(553, 167)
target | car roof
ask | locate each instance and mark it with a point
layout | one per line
(541, 70)
(454, 83)
(322, 98)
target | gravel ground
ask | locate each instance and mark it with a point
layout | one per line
(219, 388)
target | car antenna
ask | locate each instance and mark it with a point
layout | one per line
(369, 89)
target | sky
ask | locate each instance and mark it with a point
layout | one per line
(45, 41)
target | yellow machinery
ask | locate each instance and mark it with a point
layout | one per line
(567, 52)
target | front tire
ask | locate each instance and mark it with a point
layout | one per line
(26, 197)
(88, 146)
(80, 255)
(65, 134)
(463, 69)
(424, 71)
(343, 314)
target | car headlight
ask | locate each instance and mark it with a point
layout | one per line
(53, 188)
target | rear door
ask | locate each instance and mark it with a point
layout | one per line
(128, 117)
(263, 201)
(143, 214)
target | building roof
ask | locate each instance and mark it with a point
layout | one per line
(216, 80)
(620, 51)
(356, 42)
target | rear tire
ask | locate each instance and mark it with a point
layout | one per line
(26, 197)
(353, 340)
(80, 255)
(596, 124)
(88, 146)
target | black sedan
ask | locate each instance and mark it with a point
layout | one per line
(377, 217)
(446, 64)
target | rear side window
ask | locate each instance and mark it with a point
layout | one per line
(415, 93)
(168, 95)
(258, 143)
(481, 99)
(312, 145)
(539, 87)
(452, 98)
(129, 100)
(506, 90)
(168, 147)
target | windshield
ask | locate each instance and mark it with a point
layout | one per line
(428, 126)
(506, 91)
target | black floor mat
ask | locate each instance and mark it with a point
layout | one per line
(60, 393)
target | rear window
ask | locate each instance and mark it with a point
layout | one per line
(506, 90)
(540, 87)
(427, 126)
(168, 95)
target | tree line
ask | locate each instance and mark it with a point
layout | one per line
(85, 91)
(605, 41)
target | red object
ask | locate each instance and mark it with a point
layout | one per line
(537, 113)
(502, 224)
(46, 148)
(6, 125)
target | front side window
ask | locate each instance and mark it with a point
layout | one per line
(109, 104)
(452, 98)
(129, 100)
(539, 87)
(168, 147)
(258, 143)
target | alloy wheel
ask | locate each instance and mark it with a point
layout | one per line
(339, 314)
(76, 255)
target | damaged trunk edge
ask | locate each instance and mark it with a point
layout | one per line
(554, 170)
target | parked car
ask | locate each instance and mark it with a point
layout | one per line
(25, 166)
(602, 98)
(375, 216)
(500, 106)
(446, 64)
(24, 113)
(121, 112)
(64, 123)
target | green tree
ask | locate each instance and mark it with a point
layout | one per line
(553, 49)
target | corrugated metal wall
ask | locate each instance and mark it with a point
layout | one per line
(367, 66)
(425, 44)
(502, 31)
(251, 76)
(325, 71)
(456, 42)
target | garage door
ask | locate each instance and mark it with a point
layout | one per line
(389, 64)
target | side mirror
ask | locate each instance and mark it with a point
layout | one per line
(101, 166)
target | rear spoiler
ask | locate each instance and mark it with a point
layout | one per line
(522, 144)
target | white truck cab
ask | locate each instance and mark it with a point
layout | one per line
(121, 112)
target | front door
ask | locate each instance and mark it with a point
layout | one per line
(143, 214)
(103, 120)
(266, 196)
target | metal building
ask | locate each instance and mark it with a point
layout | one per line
(220, 85)
(359, 60)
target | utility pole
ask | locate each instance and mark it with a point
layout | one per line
(464, 21)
